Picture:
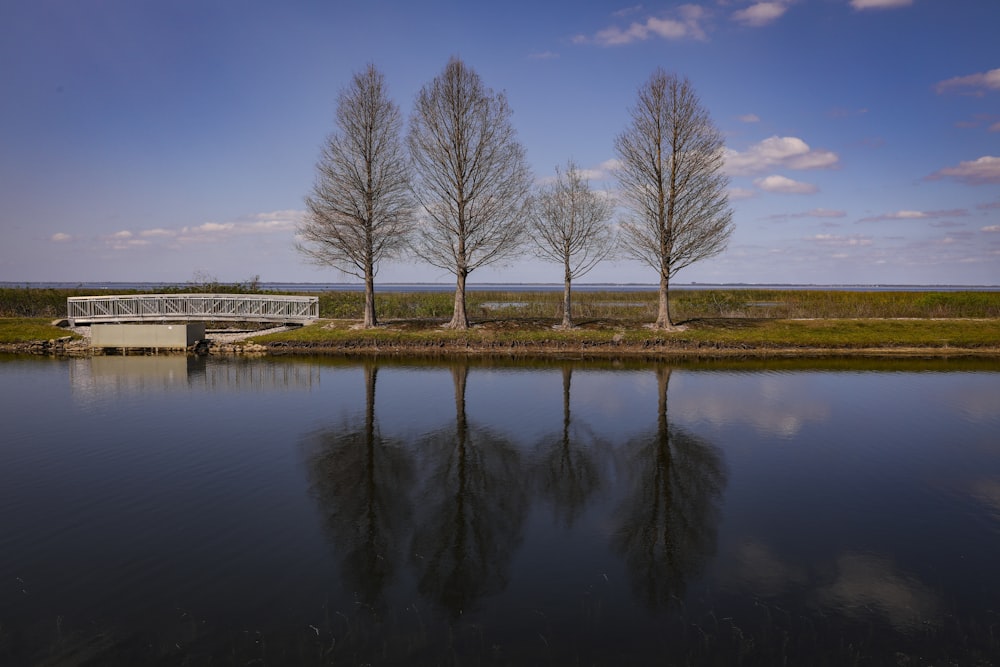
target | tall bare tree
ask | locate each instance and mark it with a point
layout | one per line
(570, 226)
(360, 210)
(671, 177)
(471, 177)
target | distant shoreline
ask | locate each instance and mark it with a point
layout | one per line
(512, 287)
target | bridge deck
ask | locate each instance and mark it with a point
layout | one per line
(191, 307)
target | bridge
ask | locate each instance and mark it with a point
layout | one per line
(191, 307)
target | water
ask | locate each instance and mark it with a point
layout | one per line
(171, 510)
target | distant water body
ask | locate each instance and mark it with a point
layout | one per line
(508, 287)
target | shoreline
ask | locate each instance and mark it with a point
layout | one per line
(504, 349)
(539, 338)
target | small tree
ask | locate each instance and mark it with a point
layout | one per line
(471, 177)
(360, 210)
(570, 226)
(671, 176)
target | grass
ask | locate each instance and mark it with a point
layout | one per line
(685, 304)
(729, 320)
(702, 336)
(846, 333)
(635, 306)
(25, 329)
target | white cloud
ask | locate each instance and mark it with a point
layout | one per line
(991, 229)
(288, 216)
(784, 185)
(749, 118)
(261, 223)
(982, 171)
(634, 9)
(269, 226)
(898, 215)
(157, 232)
(126, 243)
(975, 84)
(918, 215)
(210, 228)
(880, 4)
(785, 152)
(208, 232)
(685, 23)
(840, 241)
(760, 14)
(824, 213)
(979, 120)
(741, 193)
(601, 172)
(60, 237)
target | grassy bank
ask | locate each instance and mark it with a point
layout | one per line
(706, 336)
(716, 322)
(25, 329)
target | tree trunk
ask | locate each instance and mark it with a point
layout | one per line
(459, 319)
(370, 319)
(567, 373)
(663, 383)
(663, 320)
(459, 377)
(567, 321)
(371, 371)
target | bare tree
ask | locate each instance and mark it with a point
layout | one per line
(570, 226)
(361, 208)
(471, 177)
(671, 177)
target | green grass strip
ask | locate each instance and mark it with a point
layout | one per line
(714, 333)
(27, 329)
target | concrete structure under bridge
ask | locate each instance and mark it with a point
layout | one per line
(192, 307)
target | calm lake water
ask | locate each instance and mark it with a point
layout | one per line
(172, 510)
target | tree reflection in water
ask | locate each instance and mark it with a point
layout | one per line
(567, 472)
(471, 510)
(667, 525)
(363, 484)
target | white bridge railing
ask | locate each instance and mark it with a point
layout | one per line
(187, 307)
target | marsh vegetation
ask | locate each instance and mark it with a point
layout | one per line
(715, 320)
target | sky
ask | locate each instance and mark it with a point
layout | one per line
(176, 140)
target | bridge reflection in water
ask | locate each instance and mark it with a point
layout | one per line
(127, 374)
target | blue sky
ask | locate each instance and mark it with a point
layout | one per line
(164, 141)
